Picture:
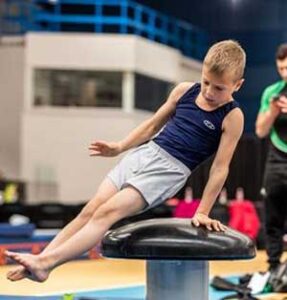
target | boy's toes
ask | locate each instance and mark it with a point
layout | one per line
(11, 272)
(15, 272)
(14, 276)
(10, 253)
(17, 258)
(18, 277)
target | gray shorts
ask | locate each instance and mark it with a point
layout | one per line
(156, 174)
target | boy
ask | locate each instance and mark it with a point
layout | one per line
(200, 119)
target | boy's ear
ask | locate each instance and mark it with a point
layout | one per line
(239, 84)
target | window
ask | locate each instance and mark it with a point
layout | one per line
(78, 88)
(150, 92)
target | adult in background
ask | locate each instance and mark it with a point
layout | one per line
(272, 121)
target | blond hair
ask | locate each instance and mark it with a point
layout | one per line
(225, 56)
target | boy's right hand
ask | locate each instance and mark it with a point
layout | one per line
(102, 148)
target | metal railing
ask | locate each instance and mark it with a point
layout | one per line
(102, 16)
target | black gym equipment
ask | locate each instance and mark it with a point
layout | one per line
(177, 254)
(242, 291)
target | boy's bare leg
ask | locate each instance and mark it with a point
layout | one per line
(124, 203)
(105, 191)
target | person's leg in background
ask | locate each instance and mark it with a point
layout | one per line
(275, 215)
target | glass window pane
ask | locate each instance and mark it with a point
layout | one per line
(78, 88)
(150, 92)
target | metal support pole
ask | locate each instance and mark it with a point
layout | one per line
(180, 280)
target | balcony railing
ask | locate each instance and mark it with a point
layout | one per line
(102, 16)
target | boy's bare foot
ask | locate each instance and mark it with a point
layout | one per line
(34, 265)
(18, 273)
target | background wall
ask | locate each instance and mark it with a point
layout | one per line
(108, 52)
(11, 105)
(55, 150)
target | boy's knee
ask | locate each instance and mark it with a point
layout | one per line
(107, 212)
(90, 208)
(85, 215)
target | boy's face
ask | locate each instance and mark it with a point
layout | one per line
(282, 68)
(217, 89)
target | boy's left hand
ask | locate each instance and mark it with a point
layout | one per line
(210, 224)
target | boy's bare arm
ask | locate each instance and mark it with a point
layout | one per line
(146, 130)
(232, 130)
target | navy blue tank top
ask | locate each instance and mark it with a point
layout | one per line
(193, 134)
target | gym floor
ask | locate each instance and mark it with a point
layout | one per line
(86, 275)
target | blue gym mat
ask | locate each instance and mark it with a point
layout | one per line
(125, 293)
(38, 236)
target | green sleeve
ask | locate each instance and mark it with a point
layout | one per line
(265, 101)
(269, 92)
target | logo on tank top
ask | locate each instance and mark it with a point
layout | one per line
(209, 124)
